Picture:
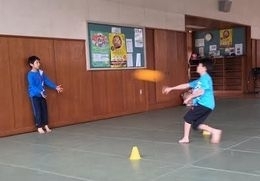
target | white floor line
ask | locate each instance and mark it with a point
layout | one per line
(45, 171)
(228, 171)
(245, 151)
(232, 146)
(170, 172)
(221, 150)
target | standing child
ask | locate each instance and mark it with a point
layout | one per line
(37, 80)
(203, 102)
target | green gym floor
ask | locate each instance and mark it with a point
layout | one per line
(99, 151)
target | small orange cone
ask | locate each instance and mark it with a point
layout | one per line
(135, 155)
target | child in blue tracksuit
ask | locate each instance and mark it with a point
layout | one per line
(37, 80)
(203, 102)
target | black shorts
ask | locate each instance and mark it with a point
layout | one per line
(197, 115)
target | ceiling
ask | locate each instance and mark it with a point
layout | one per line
(195, 23)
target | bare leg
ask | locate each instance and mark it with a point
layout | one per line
(40, 130)
(216, 133)
(186, 136)
(47, 128)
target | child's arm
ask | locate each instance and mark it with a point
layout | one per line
(51, 84)
(48, 82)
(166, 90)
(195, 93)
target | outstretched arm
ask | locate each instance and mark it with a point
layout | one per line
(166, 89)
(51, 84)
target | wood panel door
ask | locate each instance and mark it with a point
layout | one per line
(107, 93)
(75, 102)
(19, 50)
(114, 92)
(6, 97)
(135, 93)
(161, 46)
(150, 59)
(171, 59)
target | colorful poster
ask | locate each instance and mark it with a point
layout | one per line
(226, 38)
(100, 50)
(118, 50)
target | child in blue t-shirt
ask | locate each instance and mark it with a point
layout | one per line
(37, 80)
(203, 102)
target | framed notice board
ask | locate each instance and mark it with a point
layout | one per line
(114, 47)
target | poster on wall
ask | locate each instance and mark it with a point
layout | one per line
(139, 40)
(225, 38)
(100, 51)
(239, 49)
(118, 50)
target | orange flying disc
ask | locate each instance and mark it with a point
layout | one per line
(149, 75)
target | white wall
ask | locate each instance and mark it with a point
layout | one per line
(67, 18)
(44, 18)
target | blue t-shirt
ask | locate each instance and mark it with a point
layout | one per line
(36, 82)
(207, 99)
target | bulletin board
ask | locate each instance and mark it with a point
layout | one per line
(114, 47)
(237, 42)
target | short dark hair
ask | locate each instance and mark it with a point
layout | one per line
(32, 59)
(208, 63)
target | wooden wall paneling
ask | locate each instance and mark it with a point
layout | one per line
(75, 103)
(115, 95)
(172, 62)
(247, 61)
(135, 93)
(257, 53)
(254, 53)
(189, 44)
(181, 71)
(181, 59)
(6, 97)
(150, 60)
(254, 85)
(99, 93)
(170, 57)
(20, 49)
(233, 74)
(161, 43)
(250, 78)
(218, 74)
(177, 63)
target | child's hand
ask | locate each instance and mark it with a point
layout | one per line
(59, 88)
(186, 101)
(43, 94)
(166, 90)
